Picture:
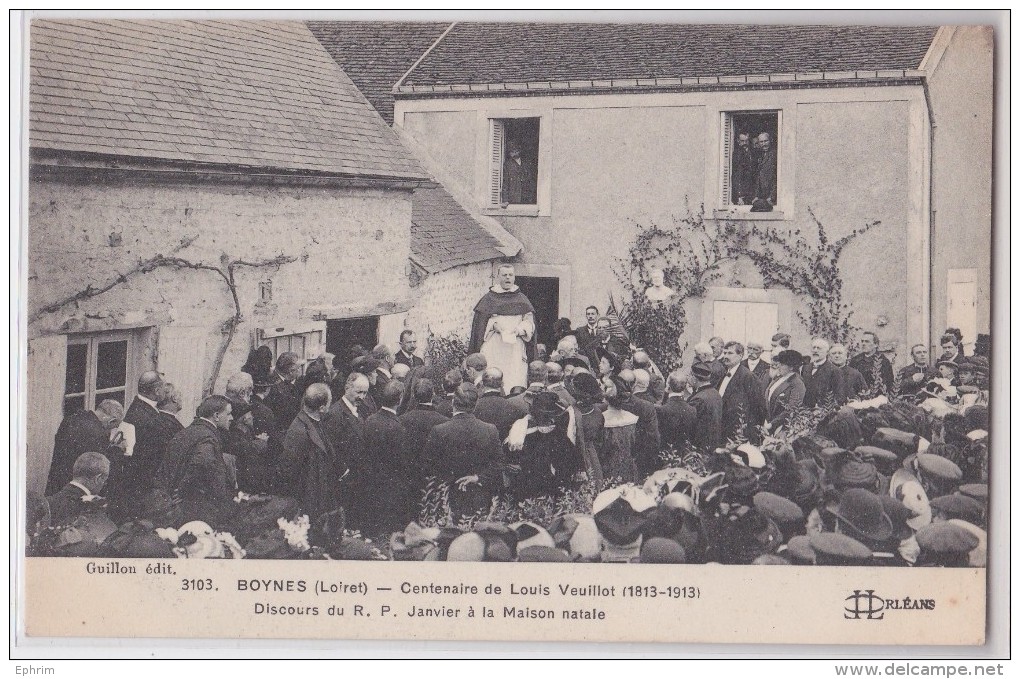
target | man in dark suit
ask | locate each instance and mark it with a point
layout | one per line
(493, 407)
(758, 366)
(914, 376)
(82, 432)
(708, 408)
(466, 453)
(588, 334)
(345, 427)
(384, 361)
(406, 355)
(766, 173)
(89, 475)
(822, 380)
(676, 416)
(151, 434)
(388, 481)
(444, 402)
(283, 398)
(741, 396)
(657, 384)
(418, 423)
(310, 469)
(194, 467)
(555, 384)
(605, 343)
(169, 405)
(647, 439)
(786, 390)
(872, 364)
(854, 384)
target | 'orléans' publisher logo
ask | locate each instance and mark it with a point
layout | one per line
(864, 604)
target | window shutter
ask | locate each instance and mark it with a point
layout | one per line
(182, 361)
(47, 358)
(727, 158)
(496, 163)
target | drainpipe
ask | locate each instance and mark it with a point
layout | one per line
(931, 209)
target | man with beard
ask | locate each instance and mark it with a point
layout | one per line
(758, 366)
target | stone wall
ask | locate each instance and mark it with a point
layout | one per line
(447, 300)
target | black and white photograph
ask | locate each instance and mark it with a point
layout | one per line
(571, 292)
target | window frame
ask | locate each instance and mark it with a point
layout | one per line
(92, 342)
(312, 348)
(722, 208)
(488, 169)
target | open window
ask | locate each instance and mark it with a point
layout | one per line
(750, 161)
(513, 162)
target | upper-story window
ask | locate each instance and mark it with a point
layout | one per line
(513, 170)
(751, 161)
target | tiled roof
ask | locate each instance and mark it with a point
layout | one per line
(476, 53)
(258, 94)
(376, 54)
(444, 235)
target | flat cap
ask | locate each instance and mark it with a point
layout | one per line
(946, 538)
(938, 467)
(543, 554)
(799, 549)
(959, 507)
(662, 550)
(778, 508)
(978, 491)
(837, 549)
(876, 454)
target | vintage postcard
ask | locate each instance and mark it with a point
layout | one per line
(644, 332)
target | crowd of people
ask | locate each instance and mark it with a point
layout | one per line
(804, 458)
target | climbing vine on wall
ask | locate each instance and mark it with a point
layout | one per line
(225, 270)
(806, 262)
(691, 252)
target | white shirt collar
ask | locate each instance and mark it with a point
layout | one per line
(88, 493)
(499, 289)
(350, 406)
(384, 371)
(389, 410)
(206, 419)
(145, 400)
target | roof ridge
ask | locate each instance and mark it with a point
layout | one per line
(423, 55)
